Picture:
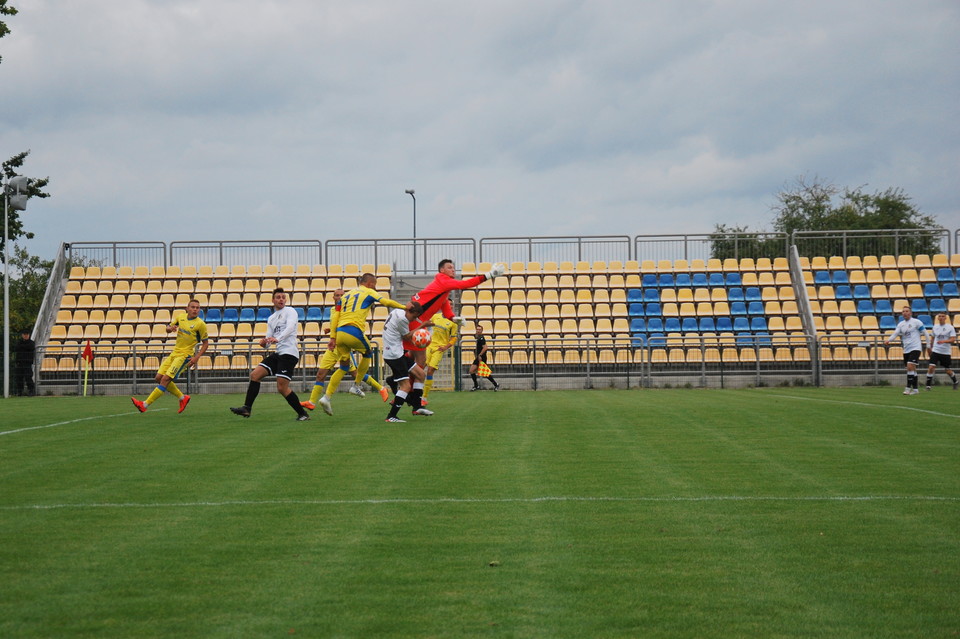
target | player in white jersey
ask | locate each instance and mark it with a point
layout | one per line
(406, 372)
(910, 330)
(942, 338)
(282, 328)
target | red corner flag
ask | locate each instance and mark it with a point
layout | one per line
(483, 370)
(87, 354)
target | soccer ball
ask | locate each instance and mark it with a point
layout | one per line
(421, 337)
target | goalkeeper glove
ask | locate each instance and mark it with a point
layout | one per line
(497, 270)
(457, 320)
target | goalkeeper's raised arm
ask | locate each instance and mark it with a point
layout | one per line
(435, 298)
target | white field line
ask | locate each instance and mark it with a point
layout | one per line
(460, 500)
(883, 406)
(72, 421)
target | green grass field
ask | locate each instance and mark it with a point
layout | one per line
(669, 513)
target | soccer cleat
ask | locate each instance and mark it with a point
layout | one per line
(140, 405)
(385, 394)
(325, 405)
(303, 418)
(955, 385)
(475, 388)
(906, 391)
(308, 405)
(356, 390)
(423, 411)
(914, 391)
(423, 401)
(183, 403)
(496, 387)
(242, 411)
(395, 420)
(929, 388)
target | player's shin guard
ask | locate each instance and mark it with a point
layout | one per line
(912, 379)
(155, 395)
(173, 390)
(253, 389)
(294, 402)
(398, 401)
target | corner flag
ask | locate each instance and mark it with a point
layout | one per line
(483, 370)
(87, 358)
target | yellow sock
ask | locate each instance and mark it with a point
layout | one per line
(154, 396)
(334, 381)
(374, 384)
(173, 390)
(317, 391)
(362, 367)
(427, 385)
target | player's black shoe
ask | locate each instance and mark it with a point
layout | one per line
(242, 411)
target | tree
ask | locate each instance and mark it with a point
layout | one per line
(28, 284)
(15, 224)
(5, 11)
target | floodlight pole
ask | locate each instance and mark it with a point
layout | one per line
(410, 192)
(6, 293)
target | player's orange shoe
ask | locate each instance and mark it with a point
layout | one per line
(385, 394)
(140, 405)
(308, 405)
(183, 402)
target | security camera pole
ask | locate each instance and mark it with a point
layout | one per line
(15, 197)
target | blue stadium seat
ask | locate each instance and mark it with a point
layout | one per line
(666, 280)
(919, 306)
(264, 314)
(230, 315)
(654, 310)
(821, 278)
(657, 339)
(865, 307)
(327, 312)
(655, 325)
(683, 280)
(636, 295)
(724, 325)
(752, 294)
(314, 314)
(945, 275)
(950, 290)
(651, 295)
(841, 277)
(716, 279)
(635, 310)
(764, 338)
(248, 315)
(707, 325)
(884, 307)
(755, 308)
(213, 316)
(689, 325)
(735, 295)
(758, 324)
(888, 322)
(649, 280)
(938, 305)
(931, 290)
(672, 325)
(745, 339)
(843, 292)
(638, 325)
(738, 308)
(699, 280)
(638, 340)
(927, 321)
(861, 292)
(734, 279)
(201, 314)
(741, 325)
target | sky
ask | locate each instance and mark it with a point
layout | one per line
(180, 120)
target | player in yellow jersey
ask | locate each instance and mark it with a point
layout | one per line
(328, 363)
(443, 338)
(190, 330)
(349, 331)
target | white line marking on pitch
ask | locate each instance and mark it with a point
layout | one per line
(72, 421)
(840, 401)
(464, 500)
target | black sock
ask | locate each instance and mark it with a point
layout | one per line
(252, 391)
(493, 381)
(294, 402)
(414, 398)
(929, 380)
(473, 376)
(398, 400)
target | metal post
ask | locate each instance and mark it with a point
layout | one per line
(6, 294)
(410, 192)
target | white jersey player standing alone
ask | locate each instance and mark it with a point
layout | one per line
(910, 330)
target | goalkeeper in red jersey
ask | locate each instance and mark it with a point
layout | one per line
(435, 298)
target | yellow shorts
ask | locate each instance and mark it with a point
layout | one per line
(349, 341)
(434, 355)
(329, 361)
(173, 365)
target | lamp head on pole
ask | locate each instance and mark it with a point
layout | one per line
(409, 191)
